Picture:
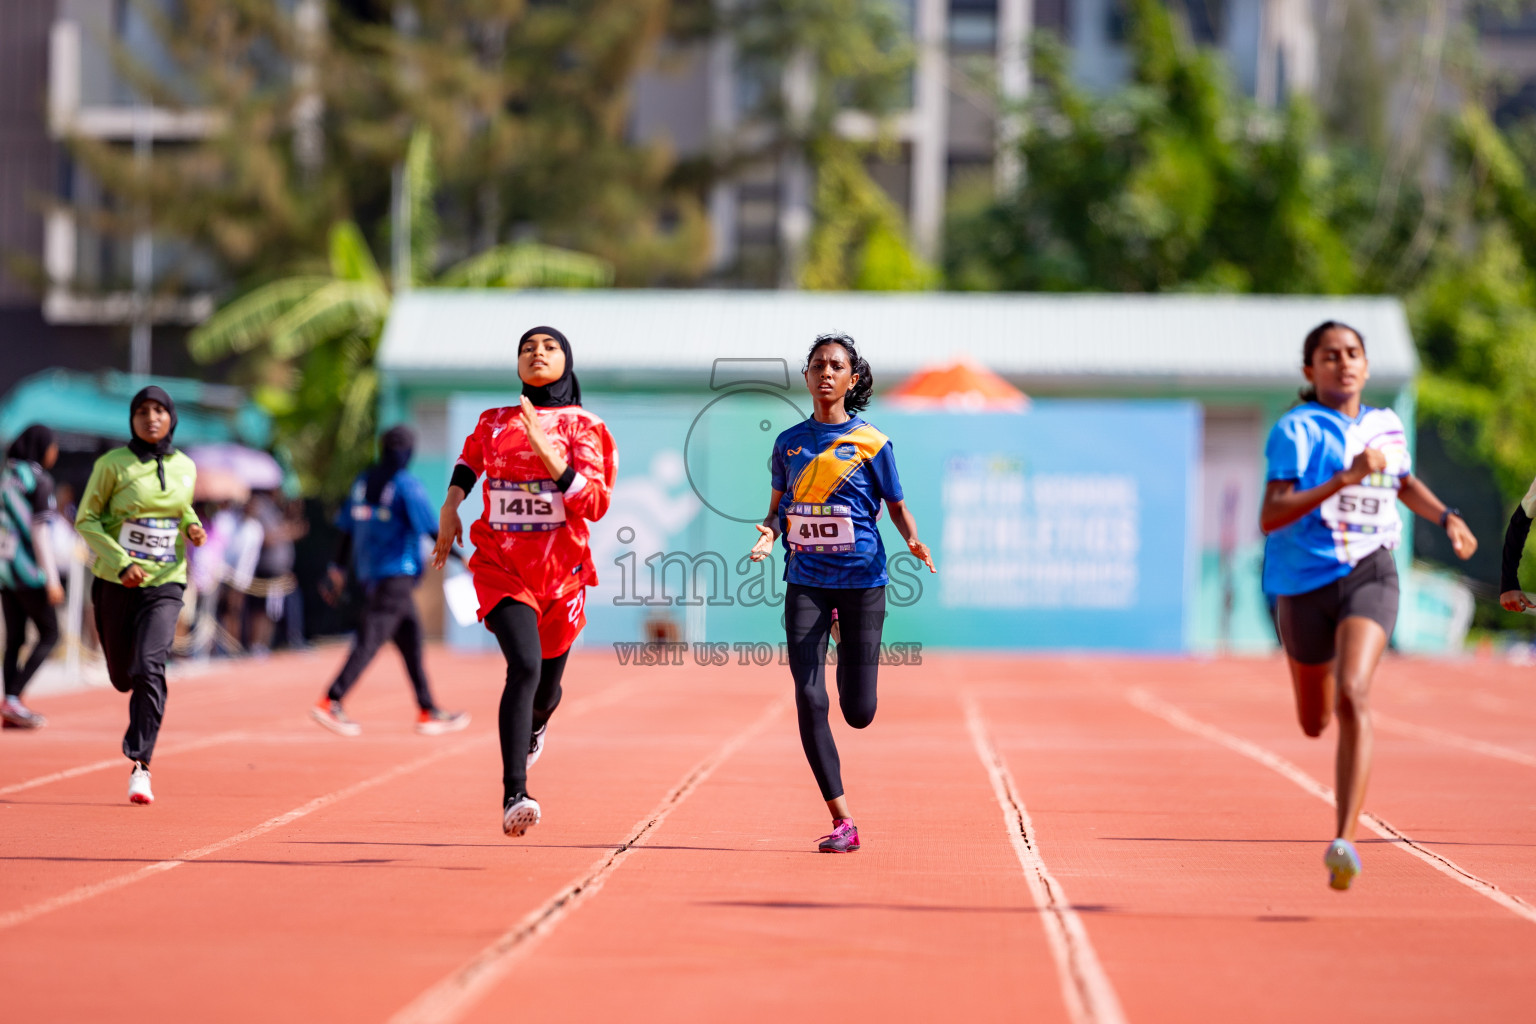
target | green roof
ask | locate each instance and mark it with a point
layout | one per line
(97, 405)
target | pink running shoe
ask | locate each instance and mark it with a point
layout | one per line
(844, 838)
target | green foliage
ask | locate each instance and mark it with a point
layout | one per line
(311, 340)
(859, 241)
(809, 68)
(526, 103)
(1177, 182)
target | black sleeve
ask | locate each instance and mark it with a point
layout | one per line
(42, 495)
(567, 478)
(343, 555)
(1514, 543)
(463, 478)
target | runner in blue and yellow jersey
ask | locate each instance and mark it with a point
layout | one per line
(830, 474)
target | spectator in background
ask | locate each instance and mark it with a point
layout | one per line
(274, 569)
(242, 551)
(29, 574)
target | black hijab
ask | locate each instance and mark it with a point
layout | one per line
(143, 449)
(566, 390)
(395, 450)
(31, 445)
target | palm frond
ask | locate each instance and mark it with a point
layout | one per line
(247, 322)
(335, 310)
(529, 265)
(351, 259)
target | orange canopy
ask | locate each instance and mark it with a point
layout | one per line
(963, 386)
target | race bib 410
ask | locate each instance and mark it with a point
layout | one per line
(152, 540)
(824, 529)
(526, 506)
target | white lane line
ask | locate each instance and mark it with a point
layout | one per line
(1089, 996)
(457, 994)
(1178, 718)
(1450, 739)
(85, 892)
(614, 693)
(119, 762)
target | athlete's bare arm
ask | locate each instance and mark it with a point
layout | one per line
(768, 530)
(1422, 501)
(450, 530)
(907, 527)
(1284, 504)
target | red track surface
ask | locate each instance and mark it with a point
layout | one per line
(287, 873)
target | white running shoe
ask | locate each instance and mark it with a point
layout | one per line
(536, 744)
(330, 714)
(435, 723)
(138, 786)
(521, 814)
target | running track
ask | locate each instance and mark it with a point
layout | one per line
(1045, 840)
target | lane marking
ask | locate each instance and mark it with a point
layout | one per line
(1392, 723)
(1085, 988)
(117, 762)
(457, 994)
(1175, 716)
(575, 709)
(85, 892)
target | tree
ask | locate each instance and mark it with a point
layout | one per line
(309, 340)
(312, 114)
(1176, 182)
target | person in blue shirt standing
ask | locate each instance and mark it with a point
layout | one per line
(1337, 469)
(382, 522)
(830, 474)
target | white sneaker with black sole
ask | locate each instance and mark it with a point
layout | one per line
(536, 744)
(521, 814)
(138, 786)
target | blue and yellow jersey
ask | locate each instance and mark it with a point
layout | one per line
(834, 477)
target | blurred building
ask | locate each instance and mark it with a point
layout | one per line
(972, 64)
(72, 295)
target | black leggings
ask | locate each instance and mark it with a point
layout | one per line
(808, 623)
(136, 626)
(532, 692)
(390, 614)
(20, 606)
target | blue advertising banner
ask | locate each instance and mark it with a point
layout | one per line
(1069, 526)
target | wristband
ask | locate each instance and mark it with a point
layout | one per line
(1445, 516)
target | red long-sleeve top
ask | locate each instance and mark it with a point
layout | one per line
(539, 562)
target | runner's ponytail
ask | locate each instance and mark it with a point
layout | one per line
(858, 396)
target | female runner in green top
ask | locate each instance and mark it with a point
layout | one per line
(133, 515)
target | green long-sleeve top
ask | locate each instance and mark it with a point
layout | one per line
(124, 507)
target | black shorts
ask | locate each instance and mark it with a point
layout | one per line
(1308, 621)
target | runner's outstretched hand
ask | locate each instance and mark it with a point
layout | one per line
(764, 546)
(920, 549)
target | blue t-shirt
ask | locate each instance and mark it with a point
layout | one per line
(1309, 445)
(386, 538)
(834, 477)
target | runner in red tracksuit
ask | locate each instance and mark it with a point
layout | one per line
(549, 467)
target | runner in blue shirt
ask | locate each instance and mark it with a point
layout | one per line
(1337, 469)
(382, 522)
(830, 474)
